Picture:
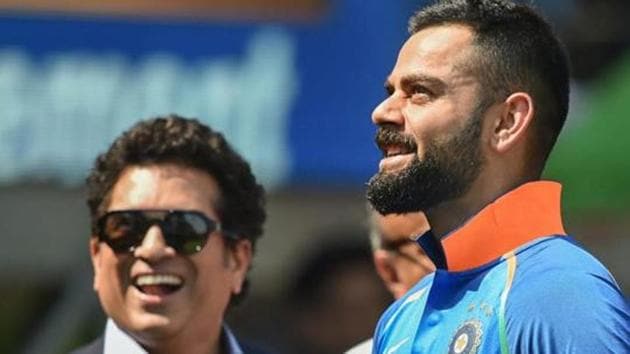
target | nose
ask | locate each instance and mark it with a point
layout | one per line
(153, 246)
(389, 111)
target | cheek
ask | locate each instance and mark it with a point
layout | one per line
(211, 269)
(112, 275)
(415, 121)
(419, 271)
(212, 288)
(421, 126)
(430, 121)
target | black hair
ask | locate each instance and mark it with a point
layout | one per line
(517, 51)
(188, 143)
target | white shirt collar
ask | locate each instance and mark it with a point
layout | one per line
(364, 347)
(231, 342)
(117, 341)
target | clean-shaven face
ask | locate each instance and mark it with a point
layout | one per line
(154, 293)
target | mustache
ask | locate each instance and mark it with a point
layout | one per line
(386, 136)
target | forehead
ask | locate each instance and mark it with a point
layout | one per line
(439, 51)
(164, 186)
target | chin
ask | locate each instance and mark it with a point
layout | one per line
(151, 326)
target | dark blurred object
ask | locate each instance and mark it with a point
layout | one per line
(23, 303)
(596, 36)
(336, 297)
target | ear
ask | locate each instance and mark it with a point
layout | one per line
(240, 263)
(95, 256)
(388, 273)
(510, 127)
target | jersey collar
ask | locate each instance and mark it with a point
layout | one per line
(519, 216)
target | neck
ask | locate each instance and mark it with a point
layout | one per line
(192, 342)
(449, 215)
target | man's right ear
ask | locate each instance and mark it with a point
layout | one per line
(388, 273)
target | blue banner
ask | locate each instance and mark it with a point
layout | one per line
(294, 98)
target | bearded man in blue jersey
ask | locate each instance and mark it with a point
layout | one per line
(474, 105)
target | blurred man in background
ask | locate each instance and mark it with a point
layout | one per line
(475, 103)
(175, 217)
(398, 259)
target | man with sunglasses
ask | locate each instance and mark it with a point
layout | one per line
(175, 216)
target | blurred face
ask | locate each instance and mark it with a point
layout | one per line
(352, 298)
(158, 296)
(408, 262)
(430, 123)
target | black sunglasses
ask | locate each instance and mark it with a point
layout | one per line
(186, 231)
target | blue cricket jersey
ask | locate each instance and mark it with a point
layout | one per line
(510, 281)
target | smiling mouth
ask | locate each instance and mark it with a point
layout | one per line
(393, 143)
(158, 284)
(395, 150)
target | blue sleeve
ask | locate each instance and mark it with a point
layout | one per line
(568, 311)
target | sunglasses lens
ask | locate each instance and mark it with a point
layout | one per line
(123, 231)
(187, 232)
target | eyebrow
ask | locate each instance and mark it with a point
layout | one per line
(410, 79)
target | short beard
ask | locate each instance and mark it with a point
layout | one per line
(447, 172)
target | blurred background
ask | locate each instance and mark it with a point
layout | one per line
(292, 84)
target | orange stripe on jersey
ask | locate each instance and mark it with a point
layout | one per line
(522, 215)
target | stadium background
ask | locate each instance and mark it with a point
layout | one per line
(292, 85)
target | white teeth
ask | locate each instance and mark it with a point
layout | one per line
(158, 279)
(393, 152)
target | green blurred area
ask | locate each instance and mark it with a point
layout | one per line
(591, 156)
